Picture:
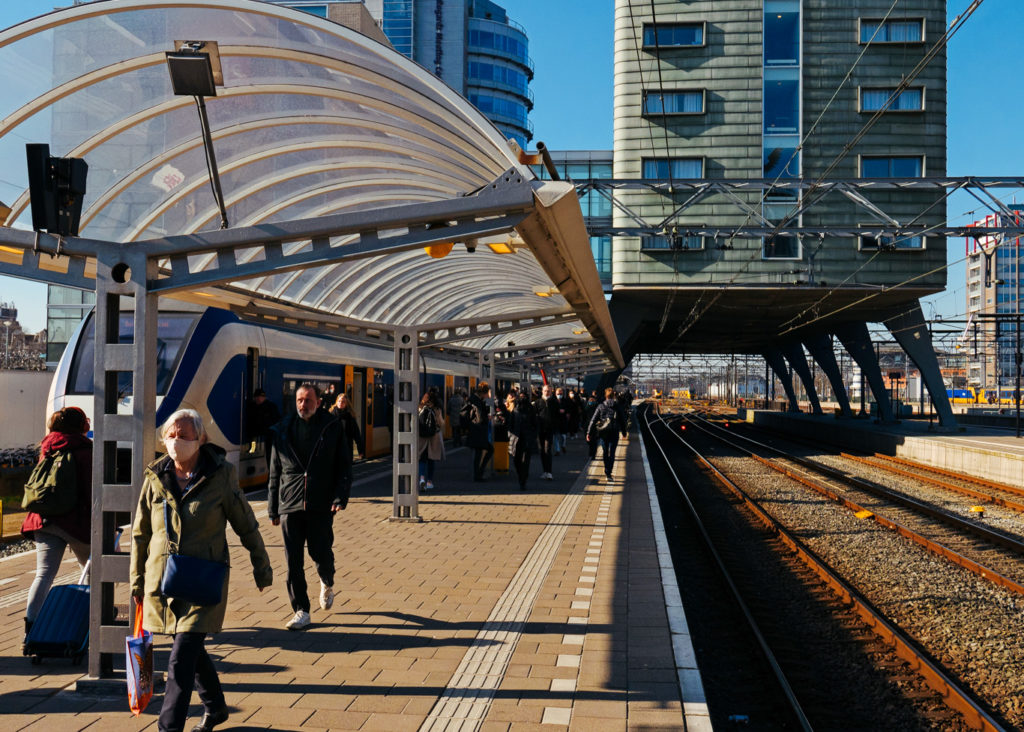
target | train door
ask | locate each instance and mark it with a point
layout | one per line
(252, 462)
(449, 388)
(357, 398)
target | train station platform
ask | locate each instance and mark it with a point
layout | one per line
(503, 610)
(986, 452)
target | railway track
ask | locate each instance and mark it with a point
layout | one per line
(996, 555)
(893, 578)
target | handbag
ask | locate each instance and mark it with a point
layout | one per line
(194, 580)
(138, 663)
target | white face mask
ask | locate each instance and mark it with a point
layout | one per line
(181, 451)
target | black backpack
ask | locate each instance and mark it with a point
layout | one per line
(52, 488)
(428, 422)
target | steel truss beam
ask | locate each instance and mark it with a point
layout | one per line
(460, 330)
(814, 192)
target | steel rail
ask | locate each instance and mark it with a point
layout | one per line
(975, 715)
(950, 474)
(904, 531)
(995, 537)
(970, 492)
(766, 650)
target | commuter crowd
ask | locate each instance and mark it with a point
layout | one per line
(191, 494)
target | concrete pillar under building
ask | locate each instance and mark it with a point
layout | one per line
(820, 348)
(794, 353)
(777, 362)
(857, 342)
(911, 331)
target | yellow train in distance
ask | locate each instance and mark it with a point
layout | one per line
(1003, 396)
(681, 394)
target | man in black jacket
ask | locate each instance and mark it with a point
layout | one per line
(308, 468)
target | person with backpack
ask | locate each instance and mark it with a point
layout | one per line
(608, 422)
(430, 443)
(65, 469)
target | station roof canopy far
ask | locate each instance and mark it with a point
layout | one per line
(340, 161)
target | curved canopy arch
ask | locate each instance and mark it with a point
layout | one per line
(314, 121)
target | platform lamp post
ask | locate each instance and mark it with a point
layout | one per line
(195, 71)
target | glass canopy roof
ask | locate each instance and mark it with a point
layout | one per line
(312, 119)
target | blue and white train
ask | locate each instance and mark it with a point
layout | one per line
(212, 361)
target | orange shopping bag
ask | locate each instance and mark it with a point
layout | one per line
(138, 650)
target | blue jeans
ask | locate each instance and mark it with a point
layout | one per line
(50, 544)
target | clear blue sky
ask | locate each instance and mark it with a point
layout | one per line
(571, 45)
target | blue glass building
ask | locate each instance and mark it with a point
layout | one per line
(472, 45)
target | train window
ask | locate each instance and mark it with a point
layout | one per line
(172, 332)
(383, 399)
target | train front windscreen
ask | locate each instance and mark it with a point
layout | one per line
(172, 331)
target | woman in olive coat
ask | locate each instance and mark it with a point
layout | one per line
(192, 491)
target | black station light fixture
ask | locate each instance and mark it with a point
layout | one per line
(196, 72)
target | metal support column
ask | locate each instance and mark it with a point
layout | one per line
(857, 342)
(820, 348)
(121, 416)
(406, 428)
(777, 362)
(485, 368)
(794, 353)
(911, 331)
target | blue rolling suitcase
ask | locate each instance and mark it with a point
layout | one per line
(61, 630)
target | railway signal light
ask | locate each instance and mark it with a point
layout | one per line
(56, 188)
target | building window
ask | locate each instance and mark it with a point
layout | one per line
(780, 247)
(668, 242)
(601, 246)
(673, 102)
(905, 166)
(899, 30)
(908, 100)
(781, 39)
(673, 35)
(781, 159)
(889, 242)
(781, 101)
(673, 168)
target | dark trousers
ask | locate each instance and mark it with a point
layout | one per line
(547, 443)
(609, 444)
(481, 456)
(315, 532)
(522, 462)
(189, 667)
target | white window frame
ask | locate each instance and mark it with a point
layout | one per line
(703, 35)
(670, 249)
(919, 19)
(798, 256)
(862, 248)
(862, 89)
(861, 158)
(659, 158)
(648, 115)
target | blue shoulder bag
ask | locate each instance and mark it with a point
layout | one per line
(194, 580)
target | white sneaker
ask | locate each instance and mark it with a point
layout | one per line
(423, 483)
(548, 476)
(326, 596)
(299, 622)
